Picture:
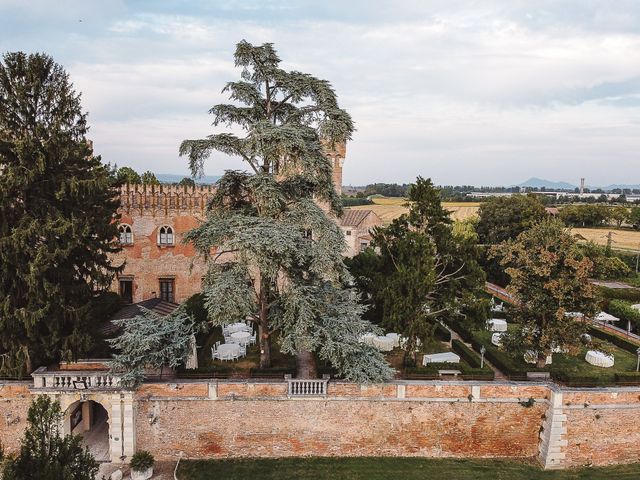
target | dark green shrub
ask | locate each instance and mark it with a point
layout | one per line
(442, 333)
(274, 372)
(628, 378)
(141, 461)
(622, 309)
(465, 353)
(354, 202)
(573, 380)
(629, 294)
(615, 339)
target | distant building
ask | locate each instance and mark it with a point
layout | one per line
(356, 226)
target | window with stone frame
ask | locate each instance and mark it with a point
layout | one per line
(167, 289)
(125, 234)
(166, 236)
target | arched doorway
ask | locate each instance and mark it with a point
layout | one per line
(90, 420)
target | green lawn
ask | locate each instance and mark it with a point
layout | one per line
(568, 364)
(389, 468)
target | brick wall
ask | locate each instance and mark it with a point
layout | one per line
(603, 428)
(429, 419)
(256, 419)
(15, 399)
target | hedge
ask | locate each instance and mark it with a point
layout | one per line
(274, 372)
(465, 353)
(572, 380)
(623, 310)
(629, 294)
(430, 372)
(442, 333)
(615, 339)
(628, 378)
(213, 371)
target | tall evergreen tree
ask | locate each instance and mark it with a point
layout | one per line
(287, 271)
(421, 270)
(57, 207)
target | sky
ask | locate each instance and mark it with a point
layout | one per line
(465, 92)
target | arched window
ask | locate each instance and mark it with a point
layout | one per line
(165, 235)
(126, 235)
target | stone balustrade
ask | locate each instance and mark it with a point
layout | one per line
(307, 388)
(69, 380)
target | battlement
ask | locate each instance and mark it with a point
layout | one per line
(162, 199)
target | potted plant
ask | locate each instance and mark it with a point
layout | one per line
(141, 465)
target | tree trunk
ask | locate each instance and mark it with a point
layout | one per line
(263, 329)
(27, 359)
(306, 365)
(542, 360)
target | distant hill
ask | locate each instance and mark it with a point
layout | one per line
(548, 184)
(175, 178)
(635, 186)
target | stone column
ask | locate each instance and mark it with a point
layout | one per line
(128, 426)
(553, 437)
(115, 428)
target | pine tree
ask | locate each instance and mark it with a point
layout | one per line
(287, 272)
(57, 205)
(150, 341)
(423, 271)
(47, 455)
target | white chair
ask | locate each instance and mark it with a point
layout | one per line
(243, 350)
(214, 354)
(253, 339)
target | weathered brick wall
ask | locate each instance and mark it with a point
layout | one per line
(603, 428)
(146, 262)
(241, 419)
(15, 399)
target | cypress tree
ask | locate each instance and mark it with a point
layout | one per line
(57, 212)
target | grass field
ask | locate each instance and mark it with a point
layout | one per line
(388, 208)
(622, 239)
(389, 469)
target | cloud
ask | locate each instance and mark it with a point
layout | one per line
(466, 92)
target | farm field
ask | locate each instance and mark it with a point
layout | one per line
(622, 239)
(388, 208)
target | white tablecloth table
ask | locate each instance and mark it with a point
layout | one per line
(228, 351)
(496, 339)
(599, 359)
(241, 338)
(367, 338)
(497, 325)
(444, 357)
(384, 344)
(238, 327)
(395, 337)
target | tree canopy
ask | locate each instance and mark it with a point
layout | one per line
(47, 455)
(150, 340)
(504, 218)
(285, 271)
(128, 175)
(57, 212)
(425, 269)
(549, 279)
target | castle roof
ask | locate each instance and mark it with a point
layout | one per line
(353, 218)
